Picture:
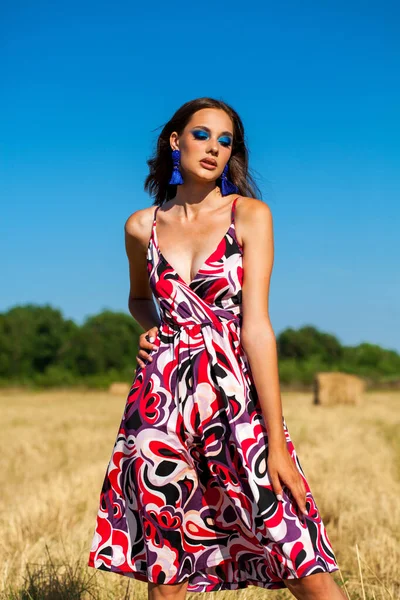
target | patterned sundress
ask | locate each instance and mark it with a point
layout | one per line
(187, 493)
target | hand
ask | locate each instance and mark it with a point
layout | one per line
(145, 343)
(283, 471)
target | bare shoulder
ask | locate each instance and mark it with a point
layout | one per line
(252, 209)
(138, 225)
(253, 216)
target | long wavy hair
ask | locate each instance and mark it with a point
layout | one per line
(161, 165)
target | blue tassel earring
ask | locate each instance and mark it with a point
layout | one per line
(176, 177)
(227, 187)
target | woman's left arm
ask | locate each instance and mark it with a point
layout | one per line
(259, 343)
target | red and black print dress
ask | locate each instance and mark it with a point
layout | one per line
(186, 493)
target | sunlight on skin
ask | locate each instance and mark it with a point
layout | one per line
(320, 586)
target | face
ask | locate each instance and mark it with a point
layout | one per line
(207, 137)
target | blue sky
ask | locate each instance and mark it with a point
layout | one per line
(85, 87)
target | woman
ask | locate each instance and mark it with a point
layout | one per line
(204, 490)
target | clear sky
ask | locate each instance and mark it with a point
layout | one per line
(85, 87)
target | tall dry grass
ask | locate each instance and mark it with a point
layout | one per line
(55, 447)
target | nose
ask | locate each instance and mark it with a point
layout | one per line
(213, 146)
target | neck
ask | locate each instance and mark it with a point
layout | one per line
(192, 192)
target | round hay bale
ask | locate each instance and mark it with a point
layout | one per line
(338, 388)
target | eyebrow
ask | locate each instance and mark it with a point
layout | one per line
(209, 130)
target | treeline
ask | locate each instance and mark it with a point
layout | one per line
(38, 347)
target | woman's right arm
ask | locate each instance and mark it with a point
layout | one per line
(140, 302)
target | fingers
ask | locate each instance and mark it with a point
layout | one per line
(150, 336)
(276, 486)
(143, 356)
(299, 493)
(296, 487)
(146, 340)
(139, 362)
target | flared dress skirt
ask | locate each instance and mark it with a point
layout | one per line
(186, 494)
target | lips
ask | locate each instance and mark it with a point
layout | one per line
(209, 162)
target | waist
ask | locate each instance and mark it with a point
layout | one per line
(194, 327)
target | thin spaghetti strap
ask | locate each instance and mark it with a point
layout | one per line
(153, 234)
(233, 225)
(233, 211)
(155, 213)
(154, 231)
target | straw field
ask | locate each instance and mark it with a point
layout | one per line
(55, 446)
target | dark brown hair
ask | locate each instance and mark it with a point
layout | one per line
(156, 182)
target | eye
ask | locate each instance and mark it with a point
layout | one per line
(225, 141)
(200, 135)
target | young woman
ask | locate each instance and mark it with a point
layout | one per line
(204, 490)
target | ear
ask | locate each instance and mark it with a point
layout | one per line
(174, 140)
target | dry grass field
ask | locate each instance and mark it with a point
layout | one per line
(55, 447)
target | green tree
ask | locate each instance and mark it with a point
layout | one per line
(31, 338)
(308, 342)
(104, 342)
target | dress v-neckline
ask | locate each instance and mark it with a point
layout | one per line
(205, 261)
